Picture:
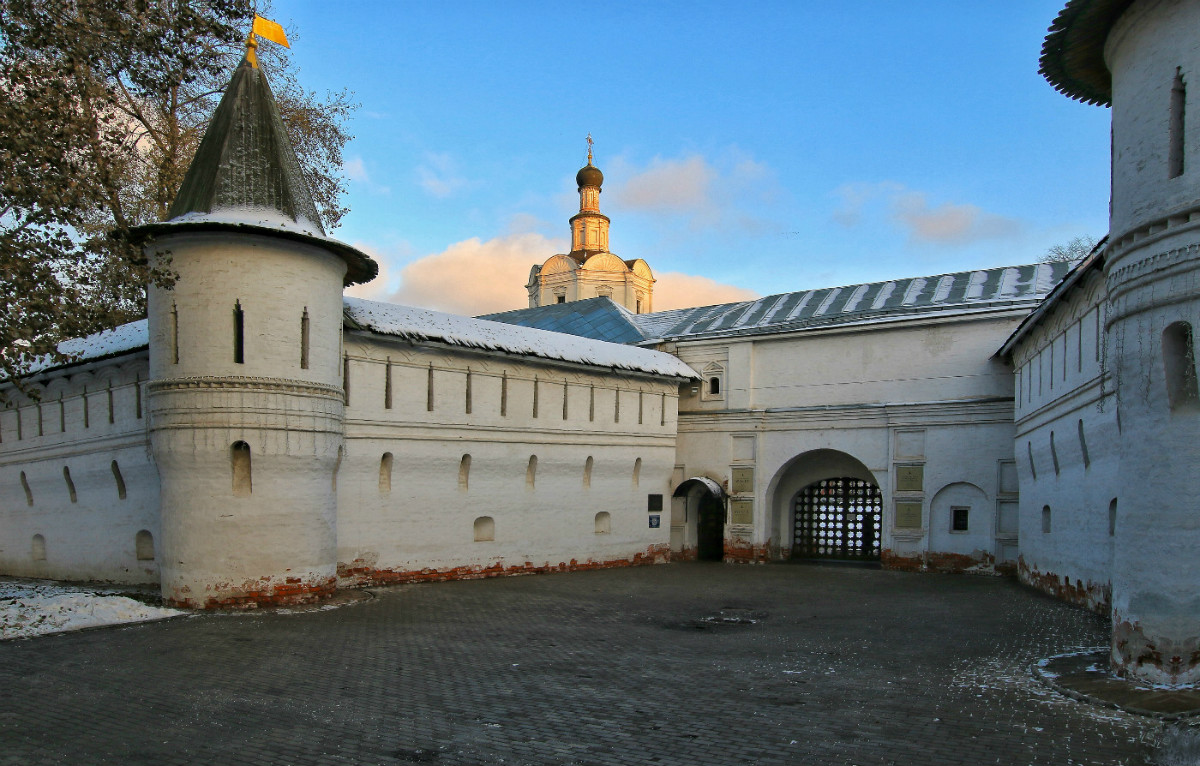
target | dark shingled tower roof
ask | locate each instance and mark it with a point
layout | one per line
(245, 159)
(246, 177)
(1073, 53)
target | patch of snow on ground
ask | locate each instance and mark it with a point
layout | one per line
(32, 608)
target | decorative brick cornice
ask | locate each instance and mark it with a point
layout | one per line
(246, 383)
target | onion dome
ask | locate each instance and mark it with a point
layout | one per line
(589, 175)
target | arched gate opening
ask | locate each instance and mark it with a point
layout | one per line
(838, 518)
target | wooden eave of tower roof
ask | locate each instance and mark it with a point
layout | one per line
(246, 178)
(1072, 58)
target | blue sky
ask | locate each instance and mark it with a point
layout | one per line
(766, 146)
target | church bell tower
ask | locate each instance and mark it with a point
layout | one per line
(590, 270)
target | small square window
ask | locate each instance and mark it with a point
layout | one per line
(654, 503)
(958, 519)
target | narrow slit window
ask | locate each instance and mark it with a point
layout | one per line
(239, 458)
(587, 472)
(143, 544)
(87, 420)
(62, 415)
(1053, 453)
(637, 471)
(304, 339)
(1032, 467)
(504, 394)
(70, 484)
(531, 472)
(1045, 519)
(617, 406)
(41, 429)
(1083, 448)
(566, 397)
(1112, 517)
(112, 415)
(20, 428)
(346, 380)
(387, 384)
(239, 334)
(429, 389)
(28, 491)
(641, 407)
(38, 548)
(385, 473)
(714, 385)
(119, 479)
(464, 472)
(535, 396)
(467, 403)
(1179, 364)
(137, 395)
(662, 409)
(1177, 150)
(174, 333)
(592, 403)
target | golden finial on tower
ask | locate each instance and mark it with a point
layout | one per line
(267, 29)
(589, 140)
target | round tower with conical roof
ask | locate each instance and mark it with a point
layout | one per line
(590, 270)
(245, 392)
(1142, 58)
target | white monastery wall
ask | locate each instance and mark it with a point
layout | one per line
(475, 453)
(923, 400)
(1066, 449)
(79, 496)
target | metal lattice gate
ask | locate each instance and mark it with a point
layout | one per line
(838, 518)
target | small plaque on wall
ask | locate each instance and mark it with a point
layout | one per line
(741, 511)
(655, 521)
(908, 515)
(654, 503)
(910, 478)
(743, 481)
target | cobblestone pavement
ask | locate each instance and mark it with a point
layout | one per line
(678, 664)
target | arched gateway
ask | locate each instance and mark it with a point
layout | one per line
(827, 504)
(839, 518)
(700, 505)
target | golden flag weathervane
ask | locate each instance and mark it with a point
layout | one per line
(268, 30)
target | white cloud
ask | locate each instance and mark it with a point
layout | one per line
(356, 170)
(947, 223)
(439, 175)
(675, 290)
(474, 276)
(692, 191)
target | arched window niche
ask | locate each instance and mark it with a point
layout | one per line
(1179, 367)
(239, 458)
(485, 529)
(144, 545)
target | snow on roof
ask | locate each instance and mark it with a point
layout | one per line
(416, 324)
(262, 217)
(119, 340)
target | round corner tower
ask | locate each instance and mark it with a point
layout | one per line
(1142, 57)
(245, 391)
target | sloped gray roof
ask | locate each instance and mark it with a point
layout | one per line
(945, 294)
(598, 318)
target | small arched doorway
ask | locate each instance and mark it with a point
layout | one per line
(838, 518)
(703, 510)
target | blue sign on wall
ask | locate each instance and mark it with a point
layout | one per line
(654, 517)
